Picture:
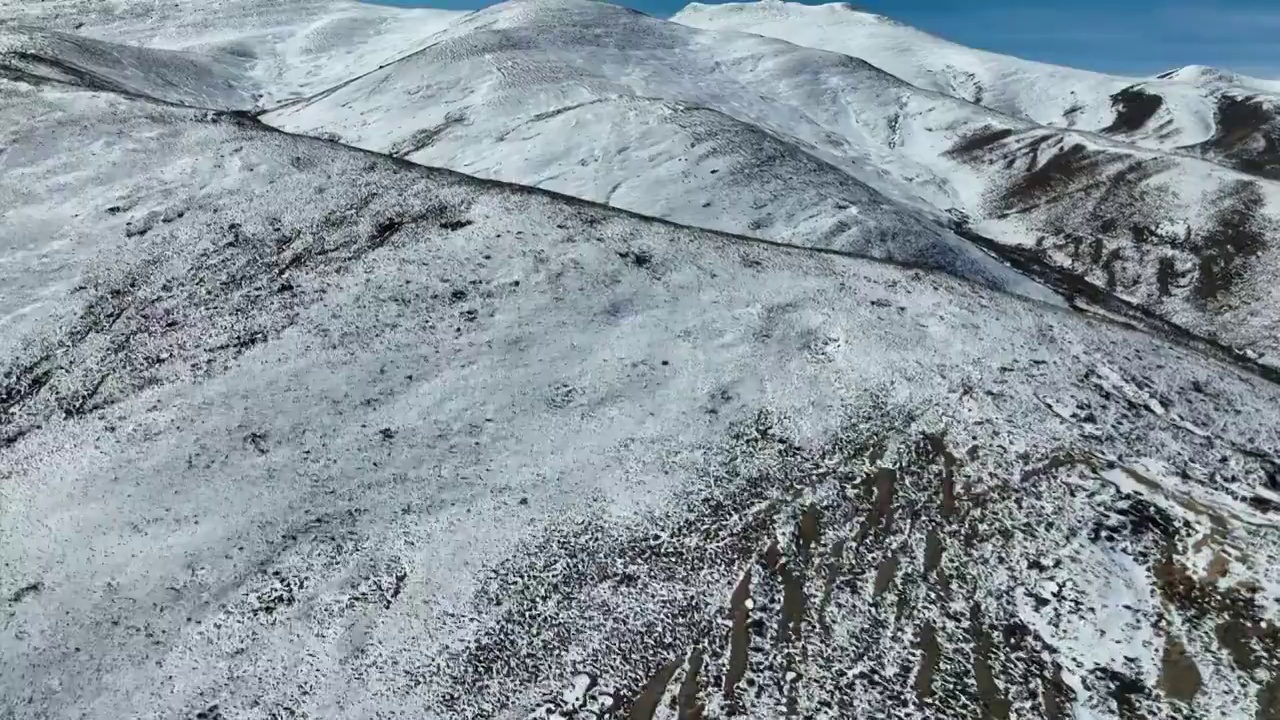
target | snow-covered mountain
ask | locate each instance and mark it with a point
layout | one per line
(614, 106)
(292, 429)
(752, 135)
(289, 48)
(1220, 114)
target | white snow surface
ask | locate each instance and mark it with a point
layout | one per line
(287, 432)
(729, 132)
(752, 135)
(290, 428)
(1047, 94)
(290, 48)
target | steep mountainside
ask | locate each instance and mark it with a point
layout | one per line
(34, 55)
(757, 136)
(816, 148)
(289, 47)
(288, 429)
(1193, 108)
(1185, 239)
(618, 107)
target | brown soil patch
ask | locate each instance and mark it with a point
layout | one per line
(1179, 676)
(739, 639)
(979, 140)
(930, 655)
(1237, 233)
(1269, 699)
(1056, 696)
(884, 574)
(791, 619)
(1235, 636)
(993, 704)
(689, 707)
(646, 704)
(1248, 136)
(932, 552)
(885, 480)
(1134, 108)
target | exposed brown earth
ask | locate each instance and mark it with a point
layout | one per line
(1247, 136)
(1134, 109)
(835, 589)
(1105, 217)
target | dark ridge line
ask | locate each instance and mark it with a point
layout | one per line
(81, 77)
(92, 82)
(249, 119)
(1066, 284)
(1069, 285)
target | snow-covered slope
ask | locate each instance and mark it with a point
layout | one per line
(1187, 239)
(1043, 93)
(754, 135)
(614, 106)
(295, 430)
(1181, 108)
(816, 148)
(36, 55)
(290, 47)
(1220, 80)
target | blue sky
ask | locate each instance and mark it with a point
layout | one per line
(1138, 36)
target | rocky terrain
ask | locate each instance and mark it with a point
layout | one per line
(1167, 180)
(1180, 108)
(291, 428)
(1159, 190)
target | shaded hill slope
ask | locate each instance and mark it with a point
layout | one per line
(290, 48)
(38, 56)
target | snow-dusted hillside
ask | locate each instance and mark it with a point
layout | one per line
(1184, 108)
(614, 106)
(758, 136)
(816, 148)
(289, 47)
(35, 55)
(288, 429)
(1187, 239)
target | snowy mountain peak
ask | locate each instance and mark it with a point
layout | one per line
(786, 8)
(1217, 78)
(1201, 75)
